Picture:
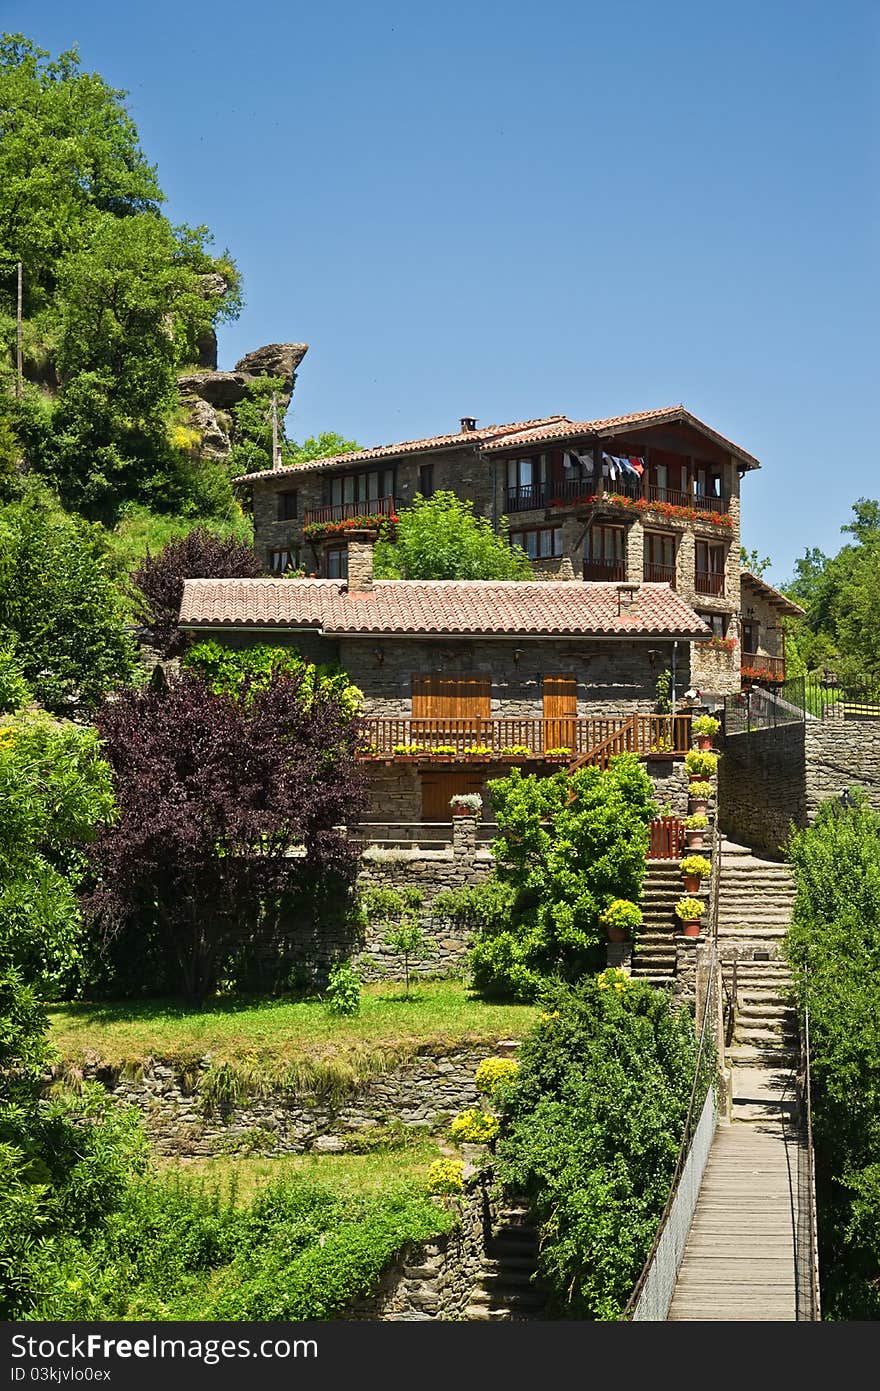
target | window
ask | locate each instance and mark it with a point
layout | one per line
(283, 560)
(659, 558)
(526, 481)
(710, 558)
(707, 479)
(539, 543)
(336, 563)
(606, 543)
(718, 622)
(750, 637)
(362, 487)
(426, 480)
(287, 505)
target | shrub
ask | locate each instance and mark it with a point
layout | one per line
(406, 939)
(493, 1075)
(706, 764)
(689, 909)
(696, 865)
(621, 913)
(706, 725)
(14, 690)
(343, 993)
(591, 1129)
(474, 1127)
(159, 579)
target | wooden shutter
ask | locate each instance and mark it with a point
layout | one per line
(437, 788)
(560, 712)
(451, 697)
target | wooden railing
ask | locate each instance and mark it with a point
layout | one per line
(676, 497)
(525, 496)
(609, 570)
(762, 668)
(342, 511)
(667, 838)
(659, 574)
(586, 739)
(709, 582)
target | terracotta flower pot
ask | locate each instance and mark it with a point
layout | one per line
(704, 742)
(699, 806)
(692, 883)
(694, 839)
(617, 934)
(691, 929)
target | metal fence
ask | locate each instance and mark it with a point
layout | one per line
(828, 696)
(761, 708)
(807, 1235)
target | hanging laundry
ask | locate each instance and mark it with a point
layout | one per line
(638, 464)
(610, 466)
(626, 468)
(582, 461)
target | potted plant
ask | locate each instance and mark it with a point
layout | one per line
(699, 793)
(704, 729)
(694, 868)
(700, 765)
(694, 829)
(619, 919)
(466, 804)
(558, 754)
(478, 751)
(689, 911)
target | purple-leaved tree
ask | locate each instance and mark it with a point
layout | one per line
(228, 807)
(200, 555)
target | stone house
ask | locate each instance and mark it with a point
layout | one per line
(463, 679)
(763, 636)
(651, 497)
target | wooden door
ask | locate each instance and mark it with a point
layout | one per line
(560, 712)
(438, 787)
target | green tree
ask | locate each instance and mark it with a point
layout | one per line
(442, 538)
(834, 949)
(567, 846)
(750, 560)
(58, 601)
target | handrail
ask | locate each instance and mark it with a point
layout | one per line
(807, 1181)
(454, 736)
(683, 1150)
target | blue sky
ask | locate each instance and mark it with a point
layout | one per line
(509, 210)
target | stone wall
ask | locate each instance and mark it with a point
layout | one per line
(421, 1093)
(771, 778)
(762, 786)
(435, 1279)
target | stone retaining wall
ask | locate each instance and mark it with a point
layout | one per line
(422, 1093)
(435, 1279)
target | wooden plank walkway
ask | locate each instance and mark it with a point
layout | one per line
(740, 1262)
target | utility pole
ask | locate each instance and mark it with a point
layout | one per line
(276, 452)
(18, 369)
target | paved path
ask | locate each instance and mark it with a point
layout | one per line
(740, 1258)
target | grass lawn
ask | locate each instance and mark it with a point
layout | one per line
(292, 1043)
(348, 1175)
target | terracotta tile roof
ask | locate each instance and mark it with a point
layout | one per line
(536, 608)
(519, 434)
(772, 596)
(392, 451)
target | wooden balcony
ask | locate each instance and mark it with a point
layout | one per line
(343, 511)
(755, 667)
(488, 740)
(709, 582)
(526, 497)
(659, 574)
(700, 502)
(612, 571)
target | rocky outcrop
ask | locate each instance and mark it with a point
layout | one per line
(209, 396)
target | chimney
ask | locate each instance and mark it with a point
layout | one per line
(627, 595)
(468, 423)
(360, 561)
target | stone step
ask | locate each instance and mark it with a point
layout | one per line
(764, 1009)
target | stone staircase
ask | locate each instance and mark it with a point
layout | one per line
(507, 1289)
(654, 945)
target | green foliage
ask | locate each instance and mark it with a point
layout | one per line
(383, 904)
(568, 845)
(689, 909)
(840, 594)
(701, 790)
(442, 538)
(55, 791)
(698, 822)
(406, 939)
(591, 1130)
(343, 993)
(494, 1076)
(752, 561)
(445, 1177)
(621, 913)
(697, 865)
(703, 763)
(59, 602)
(706, 725)
(834, 949)
(664, 692)
(232, 671)
(14, 690)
